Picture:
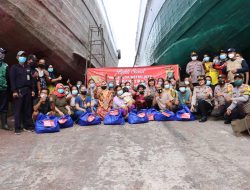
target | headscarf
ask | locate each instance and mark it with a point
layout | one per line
(59, 85)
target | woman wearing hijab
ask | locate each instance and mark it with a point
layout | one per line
(58, 99)
(105, 99)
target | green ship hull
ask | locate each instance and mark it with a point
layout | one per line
(182, 26)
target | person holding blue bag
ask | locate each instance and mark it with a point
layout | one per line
(118, 102)
(162, 99)
(83, 102)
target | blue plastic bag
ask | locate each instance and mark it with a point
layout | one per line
(65, 121)
(114, 117)
(136, 117)
(184, 114)
(46, 124)
(150, 113)
(88, 118)
(164, 116)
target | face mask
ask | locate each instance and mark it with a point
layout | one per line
(41, 66)
(43, 95)
(66, 92)
(216, 61)
(238, 82)
(182, 89)
(160, 83)
(141, 92)
(186, 82)
(22, 60)
(74, 92)
(143, 83)
(208, 83)
(159, 91)
(231, 55)
(50, 70)
(223, 56)
(221, 81)
(206, 59)
(103, 87)
(60, 91)
(128, 87)
(84, 92)
(92, 85)
(78, 85)
(194, 58)
(111, 85)
(120, 92)
(167, 86)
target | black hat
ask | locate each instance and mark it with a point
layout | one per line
(231, 50)
(221, 76)
(2, 50)
(141, 86)
(201, 77)
(193, 53)
(238, 75)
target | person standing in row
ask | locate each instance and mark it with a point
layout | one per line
(4, 73)
(195, 68)
(22, 88)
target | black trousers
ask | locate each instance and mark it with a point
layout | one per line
(23, 109)
(236, 113)
(204, 108)
(3, 101)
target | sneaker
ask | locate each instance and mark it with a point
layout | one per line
(28, 130)
(203, 119)
(17, 132)
(227, 122)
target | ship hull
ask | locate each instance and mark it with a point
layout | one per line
(170, 31)
(56, 31)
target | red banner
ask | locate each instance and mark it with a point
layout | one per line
(136, 73)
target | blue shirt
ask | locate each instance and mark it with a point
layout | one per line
(81, 103)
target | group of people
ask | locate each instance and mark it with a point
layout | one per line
(218, 88)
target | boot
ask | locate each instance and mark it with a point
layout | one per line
(3, 117)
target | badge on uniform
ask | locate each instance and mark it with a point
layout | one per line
(28, 77)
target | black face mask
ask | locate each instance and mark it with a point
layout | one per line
(41, 66)
(141, 92)
(84, 93)
(104, 87)
(221, 82)
(159, 91)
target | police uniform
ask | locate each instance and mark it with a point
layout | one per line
(202, 99)
(22, 83)
(221, 92)
(239, 97)
(4, 73)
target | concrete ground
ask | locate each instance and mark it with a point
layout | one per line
(156, 155)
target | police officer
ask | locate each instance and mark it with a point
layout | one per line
(221, 92)
(22, 88)
(239, 98)
(195, 68)
(4, 73)
(235, 65)
(202, 98)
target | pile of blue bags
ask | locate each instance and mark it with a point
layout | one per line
(50, 124)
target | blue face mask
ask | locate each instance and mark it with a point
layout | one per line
(92, 85)
(206, 59)
(167, 86)
(78, 85)
(120, 92)
(111, 85)
(238, 82)
(22, 60)
(50, 70)
(74, 92)
(208, 83)
(223, 56)
(182, 89)
(60, 91)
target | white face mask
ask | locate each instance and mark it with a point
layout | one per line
(186, 82)
(231, 55)
(194, 58)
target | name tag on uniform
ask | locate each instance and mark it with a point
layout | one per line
(28, 77)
